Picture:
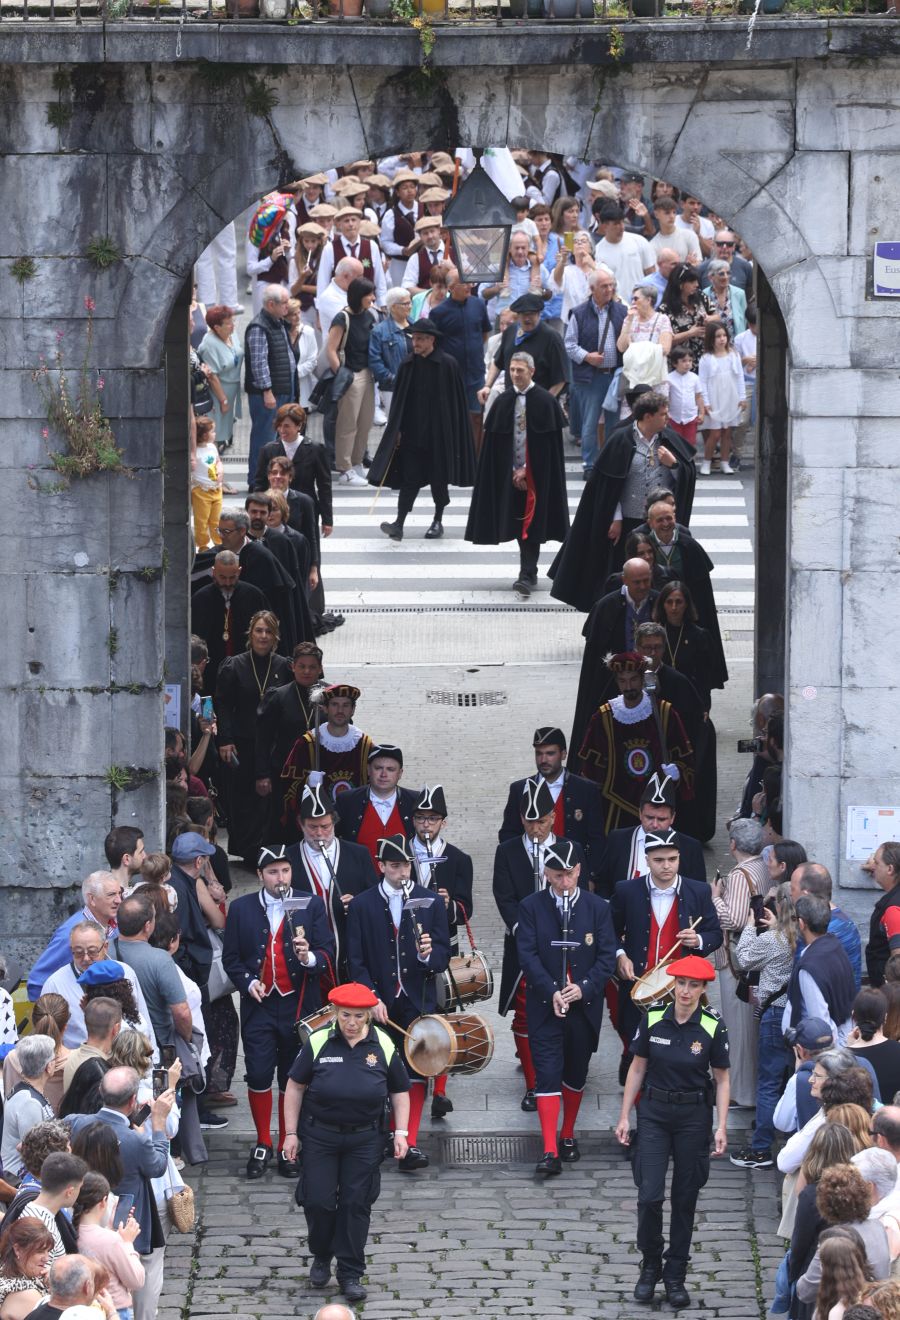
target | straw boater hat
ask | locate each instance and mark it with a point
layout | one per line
(349, 184)
(430, 179)
(308, 182)
(312, 228)
(443, 162)
(362, 164)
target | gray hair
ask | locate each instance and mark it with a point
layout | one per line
(34, 1054)
(93, 883)
(746, 835)
(600, 273)
(648, 630)
(835, 1062)
(71, 1276)
(523, 357)
(814, 912)
(879, 1168)
(227, 558)
(650, 290)
(240, 519)
(715, 267)
(395, 295)
(274, 293)
(93, 926)
(118, 1087)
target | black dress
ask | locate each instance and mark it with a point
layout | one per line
(689, 649)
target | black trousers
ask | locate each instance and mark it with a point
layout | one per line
(270, 1039)
(529, 554)
(561, 1049)
(407, 498)
(680, 1133)
(247, 811)
(341, 1182)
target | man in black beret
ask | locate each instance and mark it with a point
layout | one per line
(428, 437)
(534, 336)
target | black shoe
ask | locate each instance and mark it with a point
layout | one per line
(748, 1158)
(288, 1168)
(259, 1161)
(646, 1284)
(210, 1122)
(548, 1166)
(335, 619)
(353, 1290)
(568, 1150)
(434, 531)
(413, 1159)
(585, 473)
(367, 462)
(441, 1106)
(393, 530)
(677, 1295)
(320, 1272)
(529, 1103)
(522, 587)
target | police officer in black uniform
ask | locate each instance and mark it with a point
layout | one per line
(337, 1089)
(673, 1050)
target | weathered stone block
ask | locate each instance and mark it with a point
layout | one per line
(68, 530)
(60, 733)
(848, 109)
(871, 518)
(879, 442)
(819, 338)
(815, 611)
(135, 533)
(67, 619)
(72, 209)
(874, 199)
(825, 442)
(136, 611)
(817, 501)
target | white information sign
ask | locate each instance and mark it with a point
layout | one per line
(868, 828)
(886, 270)
(173, 706)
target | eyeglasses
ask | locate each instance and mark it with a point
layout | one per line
(721, 242)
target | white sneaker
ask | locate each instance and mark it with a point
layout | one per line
(351, 478)
(726, 467)
(380, 418)
(705, 467)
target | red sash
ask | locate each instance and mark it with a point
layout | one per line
(662, 940)
(371, 828)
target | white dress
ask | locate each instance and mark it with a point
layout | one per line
(723, 389)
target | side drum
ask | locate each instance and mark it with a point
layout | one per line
(472, 977)
(324, 1017)
(462, 1044)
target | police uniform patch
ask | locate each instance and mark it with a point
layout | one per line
(579, 814)
(589, 937)
(696, 1047)
(371, 1060)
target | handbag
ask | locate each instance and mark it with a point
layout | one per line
(323, 369)
(201, 394)
(219, 983)
(341, 382)
(745, 982)
(181, 1209)
(193, 1074)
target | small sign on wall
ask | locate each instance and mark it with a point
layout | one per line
(173, 705)
(868, 828)
(886, 270)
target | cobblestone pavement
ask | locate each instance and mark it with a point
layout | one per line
(472, 1241)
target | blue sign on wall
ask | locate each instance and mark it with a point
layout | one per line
(886, 270)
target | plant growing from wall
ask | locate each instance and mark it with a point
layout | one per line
(23, 268)
(75, 413)
(408, 12)
(102, 252)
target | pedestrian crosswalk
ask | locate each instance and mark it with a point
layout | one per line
(362, 569)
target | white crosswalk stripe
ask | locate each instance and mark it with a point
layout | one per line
(363, 569)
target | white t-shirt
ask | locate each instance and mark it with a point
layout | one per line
(206, 473)
(683, 391)
(682, 241)
(627, 260)
(707, 229)
(747, 346)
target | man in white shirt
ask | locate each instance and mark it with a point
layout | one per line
(88, 945)
(348, 243)
(691, 218)
(630, 257)
(333, 298)
(684, 242)
(429, 251)
(398, 224)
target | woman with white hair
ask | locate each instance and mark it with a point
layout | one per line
(27, 1105)
(879, 1168)
(572, 271)
(724, 302)
(389, 343)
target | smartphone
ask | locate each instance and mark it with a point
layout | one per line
(160, 1081)
(168, 1055)
(757, 907)
(124, 1207)
(206, 708)
(140, 1116)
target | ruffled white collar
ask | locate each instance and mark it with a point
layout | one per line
(623, 714)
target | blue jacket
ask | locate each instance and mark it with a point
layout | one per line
(355, 872)
(388, 346)
(631, 917)
(373, 952)
(618, 850)
(582, 815)
(246, 936)
(142, 1158)
(588, 318)
(56, 954)
(591, 964)
(463, 327)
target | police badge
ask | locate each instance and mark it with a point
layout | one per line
(589, 937)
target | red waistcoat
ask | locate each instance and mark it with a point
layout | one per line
(661, 941)
(371, 828)
(274, 973)
(364, 255)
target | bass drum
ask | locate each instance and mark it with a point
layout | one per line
(473, 979)
(324, 1017)
(462, 1044)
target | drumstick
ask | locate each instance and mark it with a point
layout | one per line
(678, 943)
(400, 1029)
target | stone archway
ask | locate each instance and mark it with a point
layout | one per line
(179, 154)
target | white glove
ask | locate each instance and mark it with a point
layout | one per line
(672, 771)
(315, 778)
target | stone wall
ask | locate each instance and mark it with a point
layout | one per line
(801, 153)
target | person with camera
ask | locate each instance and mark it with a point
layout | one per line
(767, 947)
(673, 1050)
(275, 958)
(337, 1093)
(733, 898)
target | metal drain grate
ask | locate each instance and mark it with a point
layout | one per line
(464, 1151)
(437, 697)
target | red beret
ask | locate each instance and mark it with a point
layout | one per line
(693, 967)
(352, 995)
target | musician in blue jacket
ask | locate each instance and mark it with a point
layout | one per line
(567, 948)
(578, 811)
(334, 869)
(276, 960)
(518, 872)
(624, 857)
(440, 866)
(653, 915)
(397, 942)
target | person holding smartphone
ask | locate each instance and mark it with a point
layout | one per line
(107, 1228)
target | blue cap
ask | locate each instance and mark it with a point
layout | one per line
(102, 973)
(191, 845)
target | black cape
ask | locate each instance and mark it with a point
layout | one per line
(585, 561)
(696, 569)
(496, 511)
(208, 622)
(446, 453)
(544, 344)
(604, 634)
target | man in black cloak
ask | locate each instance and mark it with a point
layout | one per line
(428, 437)
(520, 485)
(641, 456)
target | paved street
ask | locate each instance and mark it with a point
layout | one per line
(457, 672)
